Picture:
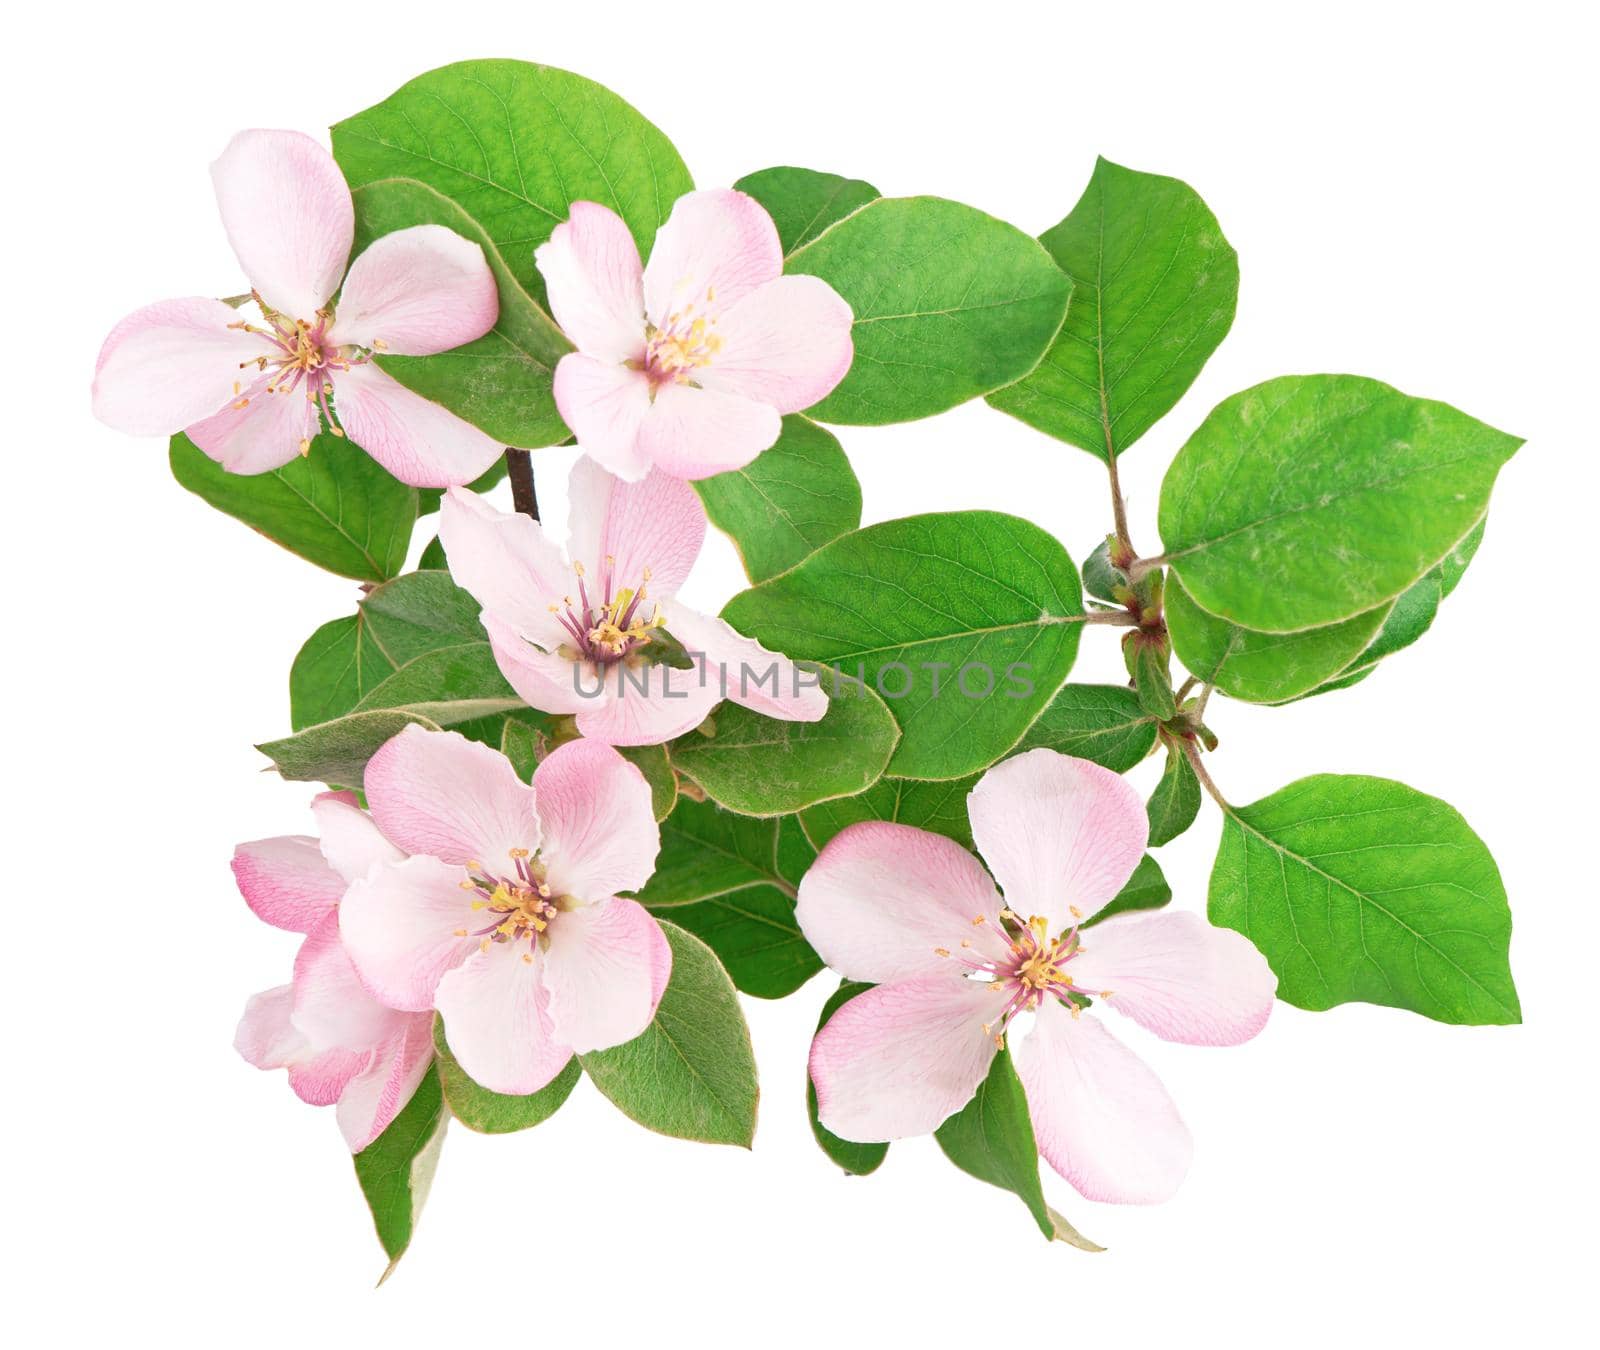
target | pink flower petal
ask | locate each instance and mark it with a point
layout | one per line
(266, 1037)
(260, 430)
(695, 433)
(422, 443)
(372, 1099)
(901, 1059)
(603, 405)
(600, 834)
(436, 792)
(286, 881)
(657, 524)
(882, 900)
(495, 1020)
(349, 840)
(716, 246)
(404, 925)
(592, 274)
(321, 1077)
(507, 562)
(544, 680)
(416, 292)
(170, 364)
(644, 705)
(1177, 976)
(786, 344)
(332, 1008)
(1058, 833)
(604, 973)
(741, 669)
(288, 215)
(1100, 1117)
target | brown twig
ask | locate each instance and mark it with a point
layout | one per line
(519, 469)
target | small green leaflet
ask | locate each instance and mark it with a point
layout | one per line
(396, 1169)
(803, 202)
(1365, 890)
(1155, 289)
(1176, 800)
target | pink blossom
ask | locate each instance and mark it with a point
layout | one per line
(954, 964)
(503, 914)
(687, 364)
(578, 637)
(338, 1043)
(253, 394)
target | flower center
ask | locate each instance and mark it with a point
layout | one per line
(1033, 969)
(518, 905)
(614, 627)
(301, 355)
(682, 345)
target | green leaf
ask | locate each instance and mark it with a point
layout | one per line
(433, 559)
(858, 1160)
(396, 1169)
(991, 1138)
(950, 303)
(1152, 677)
(656, 766)
(1365, 890)
(692, 1073)
(337, 752)
(786, 503)
(514, 145)
(1146, 889)
(496, 1112)
(803, 202)
(500, 382)
(338, 665)
(930, 610)
(1313, 498)
(763, 766)
(1176, 801)
(1155, 285)
(1102, 722)
(1102, 577)
(1263, 667)
(335, 506)
(448, 686)
(731, 880)
(940, 806)
(519, 743)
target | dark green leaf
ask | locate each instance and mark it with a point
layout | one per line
(940, 806)
(1146, 889)
(950, 303)
(334, 506)
(1176, 800)
(496, 1112)
(396, 1169)
(788, 502)
(858, 1160)
(1155, 285)
(966, 621)
(1102, 722)
(1313, 498)
(803, 202)
(692, 1073)
(1365, 890)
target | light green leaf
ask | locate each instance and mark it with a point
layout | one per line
(334, 506)
(692, 1073)
(991, 1138)
(1102, 577)
(496, 1112)
(396, 1169)
(514, 145)
(950, 303)
(448, 686)
(1101, 722)
(337, 666)
(966, 621)
(803, 202)
(858, 1160)
(1146, 889)
(1263, 667)
(1155, 285)
(1313, 498)
(786, 503)
(731, 880)
(1175, 802)
(500, 382)
(1362, 889)
(762, 766)
(337, 751)
(939, 806)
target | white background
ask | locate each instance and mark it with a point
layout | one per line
(1411, 193)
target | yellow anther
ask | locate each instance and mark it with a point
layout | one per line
(941, 951)
(461, 932)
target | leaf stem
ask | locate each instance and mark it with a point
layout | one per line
(1119, 509)
(519, 468)
(1119, 618)
(1192, 752)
